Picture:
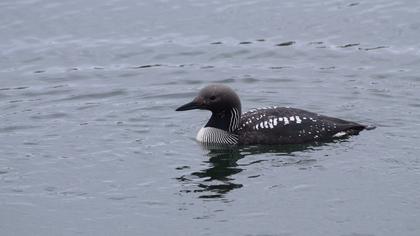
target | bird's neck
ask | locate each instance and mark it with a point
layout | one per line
(227, 120)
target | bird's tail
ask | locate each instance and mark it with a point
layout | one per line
(370, 127)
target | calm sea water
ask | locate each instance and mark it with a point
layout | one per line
(90, 143)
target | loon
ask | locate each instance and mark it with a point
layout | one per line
(266, 125)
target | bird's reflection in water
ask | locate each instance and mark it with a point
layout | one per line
(217, 178)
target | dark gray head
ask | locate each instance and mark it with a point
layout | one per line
(215, 98)
(222, 101)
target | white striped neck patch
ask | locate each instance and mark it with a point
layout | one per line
(215, 135)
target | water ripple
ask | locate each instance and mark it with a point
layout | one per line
(13, 128)
(50, 116)
(90, 96)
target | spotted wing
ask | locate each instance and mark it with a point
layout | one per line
(281, 125)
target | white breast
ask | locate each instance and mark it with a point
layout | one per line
(214, 135)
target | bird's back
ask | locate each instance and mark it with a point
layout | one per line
(281, 125)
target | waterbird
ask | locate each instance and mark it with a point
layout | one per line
(266, 125)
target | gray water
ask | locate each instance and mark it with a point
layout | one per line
(90, 143)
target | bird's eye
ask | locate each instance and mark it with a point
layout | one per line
(213, 98)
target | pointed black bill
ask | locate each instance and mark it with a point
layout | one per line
(189, 106)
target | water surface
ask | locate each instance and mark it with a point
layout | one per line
(91, 144)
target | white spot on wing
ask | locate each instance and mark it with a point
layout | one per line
(339, 134)
(270, 123)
